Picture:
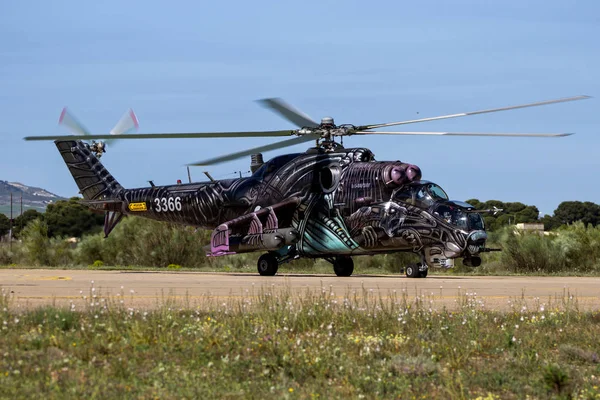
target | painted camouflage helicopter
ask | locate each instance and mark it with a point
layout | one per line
(329, 202)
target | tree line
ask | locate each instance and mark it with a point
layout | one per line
(567, 212)
(64, 218)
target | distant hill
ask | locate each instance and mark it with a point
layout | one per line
(33, 197)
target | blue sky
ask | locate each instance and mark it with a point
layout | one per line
(187, 66)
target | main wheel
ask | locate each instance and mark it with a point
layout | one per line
(423, 274)
(267, 265)
(343, 266)
(412, 271)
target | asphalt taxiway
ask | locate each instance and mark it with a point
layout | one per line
(34, 287)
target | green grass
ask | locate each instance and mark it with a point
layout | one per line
(270, 344)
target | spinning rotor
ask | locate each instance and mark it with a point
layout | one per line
(127, 123)
(324, 133)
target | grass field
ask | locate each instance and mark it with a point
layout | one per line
(270, 344)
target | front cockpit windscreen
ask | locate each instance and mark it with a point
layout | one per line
(475, 222)
(421, 194)
(429, 196)
(455, 215)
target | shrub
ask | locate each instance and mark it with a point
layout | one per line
(531, 252)
(60, 252)
(90, 250)
(6, 256)
(301, 264)
(12, 256)
(572, 248)
(141, 242)
(397, 262)
(556, 379)
(581, 245)
(36, 244)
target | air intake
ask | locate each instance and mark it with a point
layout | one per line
(256, 161)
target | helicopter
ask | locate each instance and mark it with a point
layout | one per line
(329, 202)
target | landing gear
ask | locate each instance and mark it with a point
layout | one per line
(418, 270)
(268, 265)
(472, 261)
(412, 271)
(343, 266)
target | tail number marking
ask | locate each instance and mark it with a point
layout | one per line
(164, 204)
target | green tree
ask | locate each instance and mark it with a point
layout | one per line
(71, 218)
(550, 222)
(4, 225)
(475, 203)
(513, 213)
(572, 211)
(22, 220)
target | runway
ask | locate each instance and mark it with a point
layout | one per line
(30, 288)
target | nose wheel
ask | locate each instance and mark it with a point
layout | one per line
(418, 270)
(267, 265)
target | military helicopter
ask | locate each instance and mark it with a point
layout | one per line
(329, 202)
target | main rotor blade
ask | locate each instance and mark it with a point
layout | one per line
(465, 134)
(260, 149)
(288, 112)
(190, 135)
(67, 119)
(539, 103)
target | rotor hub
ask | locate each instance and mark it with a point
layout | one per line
(327, 121)
(98, 148)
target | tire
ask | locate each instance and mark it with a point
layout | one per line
(267, 265)
(412, 271)
(343, 266)
(423, 274)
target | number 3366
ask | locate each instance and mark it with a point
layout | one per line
(164, 204)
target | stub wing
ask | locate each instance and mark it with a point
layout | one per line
(265, 229)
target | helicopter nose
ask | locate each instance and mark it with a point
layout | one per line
(475, 241)
(413, 173)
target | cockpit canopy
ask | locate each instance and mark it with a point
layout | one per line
(460, 215)
(430, 196)
(422, 194)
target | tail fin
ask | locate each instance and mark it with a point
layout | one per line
(95, 183)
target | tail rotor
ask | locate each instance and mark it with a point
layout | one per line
(126, 124)
(67, 119)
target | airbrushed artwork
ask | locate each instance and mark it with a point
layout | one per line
(329, 202)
